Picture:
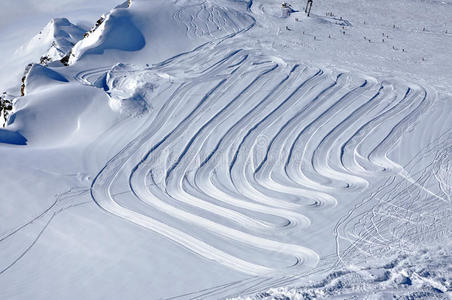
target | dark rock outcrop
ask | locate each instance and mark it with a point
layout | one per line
(6, 106)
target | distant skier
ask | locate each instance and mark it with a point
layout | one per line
(308, 7)
(286, 10)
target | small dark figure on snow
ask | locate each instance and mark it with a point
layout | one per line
(308, 7)
(286, 10)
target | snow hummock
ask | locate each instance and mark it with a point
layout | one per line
(130, 94)
(48, 120)
(117, 32)
(39, 77)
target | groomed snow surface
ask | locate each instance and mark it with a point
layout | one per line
(230, 149)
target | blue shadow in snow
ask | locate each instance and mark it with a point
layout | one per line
(46, 72)
(11, 137)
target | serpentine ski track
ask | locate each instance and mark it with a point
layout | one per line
(238, 150)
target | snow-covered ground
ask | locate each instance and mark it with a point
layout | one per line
(214, 149)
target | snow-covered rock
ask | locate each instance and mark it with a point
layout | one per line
(54, 41)
(39, 77)
(6, 106)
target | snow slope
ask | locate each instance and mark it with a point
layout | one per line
(22, 21)
(210, 149)
(55, 40)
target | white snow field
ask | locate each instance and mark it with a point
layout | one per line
(186, 149)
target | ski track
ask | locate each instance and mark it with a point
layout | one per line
(236, 153)
(40, 223)
(395, 223)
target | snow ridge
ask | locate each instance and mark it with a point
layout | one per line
(55, 40)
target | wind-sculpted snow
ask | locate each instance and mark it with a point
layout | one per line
(117, 32)
(54, 41)
(39, 77)
(237, 151)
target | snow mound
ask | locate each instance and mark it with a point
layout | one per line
(54, 41)
(40, 77)
(131, 88)
(117, 32)
(62, 114)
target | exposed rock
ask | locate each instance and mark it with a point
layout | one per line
(98, 23)
(65, 60)
(6, 106)
(24, 79)
(45, 60)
